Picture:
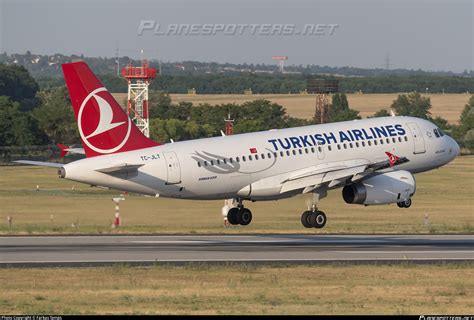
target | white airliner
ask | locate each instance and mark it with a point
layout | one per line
(372, 160)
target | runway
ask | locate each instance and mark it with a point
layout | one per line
(289, 249)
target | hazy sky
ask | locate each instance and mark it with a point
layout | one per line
(431, 35)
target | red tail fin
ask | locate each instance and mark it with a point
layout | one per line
(63, 149)
(104, 127)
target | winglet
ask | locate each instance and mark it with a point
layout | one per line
(392, 159)
(64, 149)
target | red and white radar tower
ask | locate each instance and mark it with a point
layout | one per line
(139, 79)
(281, 62)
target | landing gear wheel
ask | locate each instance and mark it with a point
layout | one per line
(232, 216)
(317, 219)
(404, 204)
(407, 203)
(244, 217)
(305, 219)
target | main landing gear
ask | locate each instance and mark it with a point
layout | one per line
(404, 204)
(239, 215)
(313, 219)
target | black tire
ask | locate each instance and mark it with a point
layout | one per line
(318, 219)
(400, 205)
(244, 217)
(232, 216)
(407, 203)
(305, 219)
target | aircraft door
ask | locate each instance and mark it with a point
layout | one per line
(419, 142)
(173, 167)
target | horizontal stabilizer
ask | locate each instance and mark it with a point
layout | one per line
(40, 163)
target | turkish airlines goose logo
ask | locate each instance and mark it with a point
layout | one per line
(96, 119)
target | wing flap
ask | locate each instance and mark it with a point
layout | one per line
(336, 174)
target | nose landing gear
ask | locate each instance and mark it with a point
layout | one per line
(404, 204)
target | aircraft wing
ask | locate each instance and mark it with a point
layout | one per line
(337, 174)
(40, 163)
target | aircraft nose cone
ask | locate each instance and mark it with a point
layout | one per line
(454, 148)
(457, 149)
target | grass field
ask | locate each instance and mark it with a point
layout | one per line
(448, 106)
(240, 289)
(445, 195)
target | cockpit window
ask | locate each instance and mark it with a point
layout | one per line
(438, 132)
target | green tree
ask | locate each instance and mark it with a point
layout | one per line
(467, 116)
(339, 109)
(412, 104)
(17, 128)
(381, 113)
(441, 123)
(17, 83)
(55, 116)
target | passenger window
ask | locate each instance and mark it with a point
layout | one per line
(329, 148)
(369, 143)
(306, 150)
(363, 143)
(262, 156)
(312, 150)
(294, 152)
(381, 141)
(250, 158)
(399, 139)
(218, 161)
(274, 154)
(199, 164)
(406, 138)
(387, 140)
(256, 157)
(394, 140)
(281, 154)
(338, 147)
(345, 146)
(375, 142)
(319, 149)
(230, 160)
(357, 144)
(300, 151)
(269, 155)
(212, 162)
(287, 153)
(350, 145)
(436, 133)
(205, 163)
(243, 158)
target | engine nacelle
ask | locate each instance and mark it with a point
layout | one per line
(385, 188)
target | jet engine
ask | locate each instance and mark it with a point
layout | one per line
(384, 188)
